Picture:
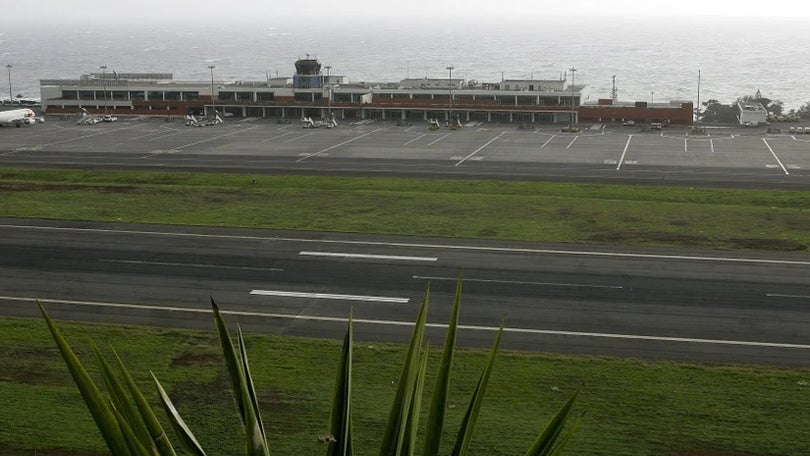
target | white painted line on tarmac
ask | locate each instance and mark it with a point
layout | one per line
(777, 295)
(439, 139)
(277, 136)
(774, 156)
(624, 152)
(166, 135)
(471, 248)
(572, 142)
(338, 297)
(337, 145)
(539, 332)
(216, 137)
(520, 282)
(548, 141)
(156, 132)
(298, 137)
(414, 139)
(189, 265)
(711, 143)
(367, 256)
(685, 145)
(479, 149)
(102, 132)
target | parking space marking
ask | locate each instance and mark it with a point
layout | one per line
(479, 149)
(84, 136)
(414, 139)
(156, 132)
(548, 141)
(337, 145)
(176, 132)
(277, 136)
(774, 156)
(572, 142)
(624, 152)
(439, 139)
(298, 137)
(241, 130)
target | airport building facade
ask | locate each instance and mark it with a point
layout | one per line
(310, 93)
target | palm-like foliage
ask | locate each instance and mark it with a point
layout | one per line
(130, 428)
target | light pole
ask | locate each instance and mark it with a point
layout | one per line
(104, 85)
(10, 99)
(213, 103)
(450, 87)
(573, 79)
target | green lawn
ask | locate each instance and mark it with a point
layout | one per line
(573, 213)
(631, 407)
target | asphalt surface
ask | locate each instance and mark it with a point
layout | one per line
(651, 304)
(731, 157)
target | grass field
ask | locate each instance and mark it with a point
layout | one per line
(575, 213)
(631, 407)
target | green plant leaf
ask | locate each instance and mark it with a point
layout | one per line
(255, 443)
(394, 435)
(188, 442)
(544, 443)
(156, 432)
(231, 361)
(133, 441)
(340, 426)
(563, 441)
(122, 405)
(95, 401)
(474, 408)
(416, 407)
(254, 428)
(438, 406)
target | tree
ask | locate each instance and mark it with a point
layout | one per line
(716, 112)
(804, 111)
(775, 107)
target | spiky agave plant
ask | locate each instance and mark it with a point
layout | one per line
(130, 427)
(126, 420)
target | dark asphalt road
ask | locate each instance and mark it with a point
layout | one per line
(699, 306)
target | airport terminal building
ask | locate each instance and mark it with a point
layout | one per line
(310, 93)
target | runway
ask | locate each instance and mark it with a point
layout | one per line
(726, 156)
(646, 303)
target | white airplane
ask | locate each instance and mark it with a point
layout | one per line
(19, 117)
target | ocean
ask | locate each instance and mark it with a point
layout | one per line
(653, 60)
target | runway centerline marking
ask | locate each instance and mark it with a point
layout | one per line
(337, 145)
(541, 332)
(338, 297)
(572, 142)
(189, 265)
(471, 248)
(367, 256)
(777, 158)
(479, 149)
(548, 141)
(624, 152)
(521, 282)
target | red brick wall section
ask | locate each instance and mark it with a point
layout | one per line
(615, 114)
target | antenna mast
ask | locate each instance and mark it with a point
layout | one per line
(614, 94)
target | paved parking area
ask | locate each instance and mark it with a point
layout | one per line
(619, 149)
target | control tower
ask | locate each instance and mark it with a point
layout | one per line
(308, 74)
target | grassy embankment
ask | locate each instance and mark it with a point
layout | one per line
(632, 407)
(609, 214)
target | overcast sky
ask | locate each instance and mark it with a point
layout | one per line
(269, 10)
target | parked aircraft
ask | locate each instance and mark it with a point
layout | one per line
(19, 117)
